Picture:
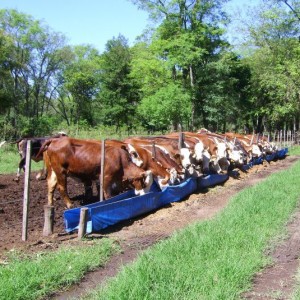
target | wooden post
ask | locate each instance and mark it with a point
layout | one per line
(102, 169)
(49, 220)
(26, 191)
(82, 222)
(181, 140)
(153, 150)
(280, 138)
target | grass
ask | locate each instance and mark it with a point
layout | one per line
(36, 276)
(294, 150)
(215, 259)
(9, 160)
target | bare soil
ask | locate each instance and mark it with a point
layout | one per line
(139, 233)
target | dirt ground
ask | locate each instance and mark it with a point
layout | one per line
(137, 234)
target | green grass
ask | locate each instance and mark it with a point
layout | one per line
(296, 293)
(9, 160)
(38, 275)
(215, 259)
(294, 150)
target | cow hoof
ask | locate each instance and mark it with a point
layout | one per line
(39, 177)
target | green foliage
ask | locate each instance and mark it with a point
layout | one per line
(82, 81)
(274, 65)
(118, 96)
(44, 82)
(170, 105)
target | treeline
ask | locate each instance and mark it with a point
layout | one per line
(181, 73)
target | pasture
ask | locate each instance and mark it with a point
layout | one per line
(140, 232)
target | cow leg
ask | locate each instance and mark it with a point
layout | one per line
(18, 175)
(51, 182)
(21, 167)
(42, 174)
(88, 191)
(107, 189)
(62, 187)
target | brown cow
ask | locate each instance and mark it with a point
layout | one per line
(164, 176)
(81, 159)
(248, 143)
(183, 156)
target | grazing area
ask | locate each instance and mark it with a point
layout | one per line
(215, 259)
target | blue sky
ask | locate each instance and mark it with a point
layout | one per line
(85, 21)
(90, 21)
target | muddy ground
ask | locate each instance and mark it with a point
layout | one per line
(137, 234)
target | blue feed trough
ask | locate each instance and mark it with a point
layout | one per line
(127, 206)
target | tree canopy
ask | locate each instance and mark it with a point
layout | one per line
(183, 72)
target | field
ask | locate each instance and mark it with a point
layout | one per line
(133, 235)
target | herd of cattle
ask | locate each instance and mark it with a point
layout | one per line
(134, 163)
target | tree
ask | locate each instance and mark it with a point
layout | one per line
(189, 44)
(81, 85)
(118, 94)
(170, 105)
(274, 63)
(33, 61)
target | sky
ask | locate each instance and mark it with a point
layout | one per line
(91, 22)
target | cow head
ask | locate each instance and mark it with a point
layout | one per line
(186, 157)
(235, 155)
(215, 166)
(135, 156)
(256, 152)
(199, 150)
(221, 150)
(142, 183)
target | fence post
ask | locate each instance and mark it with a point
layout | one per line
(102, 170)
(181, 140)
(49, 220)
(26, 191)
(153, 150)
(82, 222)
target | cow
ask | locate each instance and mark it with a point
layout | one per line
(209, 151)
(81, 159)
(248, 143)
(36, 143)
(164, 174)
(183, 156)
(264, 144)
